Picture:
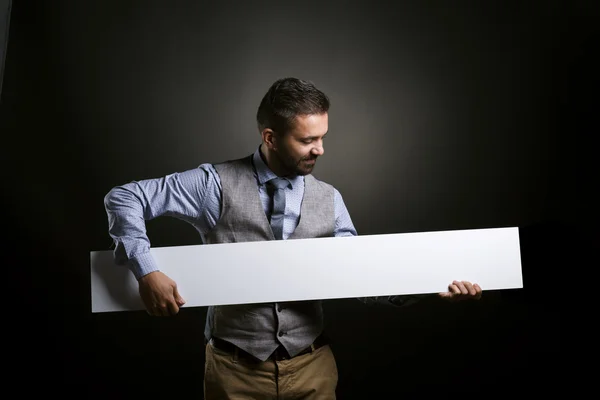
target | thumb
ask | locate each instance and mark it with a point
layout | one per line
(446, 295)
(178, 297)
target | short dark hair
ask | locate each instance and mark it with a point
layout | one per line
(286, 99)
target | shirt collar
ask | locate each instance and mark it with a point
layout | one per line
(265, 174)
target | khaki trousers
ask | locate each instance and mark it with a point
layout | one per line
(310, 376)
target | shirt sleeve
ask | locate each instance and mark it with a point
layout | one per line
(343, 222)
(193, 196)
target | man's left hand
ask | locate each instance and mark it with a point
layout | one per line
(462, 290)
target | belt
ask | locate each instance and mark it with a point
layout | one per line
(279, 354)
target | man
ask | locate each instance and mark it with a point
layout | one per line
(257, 351)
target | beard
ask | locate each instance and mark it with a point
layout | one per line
(296, 166)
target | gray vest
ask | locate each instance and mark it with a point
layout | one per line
(260, 328)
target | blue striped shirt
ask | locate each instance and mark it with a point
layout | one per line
(193, 196)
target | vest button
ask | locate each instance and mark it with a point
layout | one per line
(281, 333)
(279, 308)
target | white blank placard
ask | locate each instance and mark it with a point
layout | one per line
(323, 268)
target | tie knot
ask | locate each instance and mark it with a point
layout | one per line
(279, 183)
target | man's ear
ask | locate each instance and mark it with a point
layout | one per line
(269, 139)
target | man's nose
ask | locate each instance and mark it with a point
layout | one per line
(318, 150)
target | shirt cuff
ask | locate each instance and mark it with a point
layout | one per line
(142, 264)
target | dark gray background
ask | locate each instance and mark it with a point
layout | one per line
(5, 6)
(445, 115)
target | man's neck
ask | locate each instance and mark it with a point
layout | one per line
(271, 162)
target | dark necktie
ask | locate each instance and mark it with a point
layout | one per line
(279, 185)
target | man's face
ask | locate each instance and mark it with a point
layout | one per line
(298, 150)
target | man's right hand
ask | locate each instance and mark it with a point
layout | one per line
(159, 294)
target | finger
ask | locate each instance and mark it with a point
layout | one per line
(454, 289)
(153, 311)
(180, 301)
(461, 286)
(172, 307)
(149, 307)
(478, 291)
(161, 310)
(452, 293)
(470, 288)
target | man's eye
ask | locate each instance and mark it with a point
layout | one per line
(307, 141)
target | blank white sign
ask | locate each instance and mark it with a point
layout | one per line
(323, 268)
